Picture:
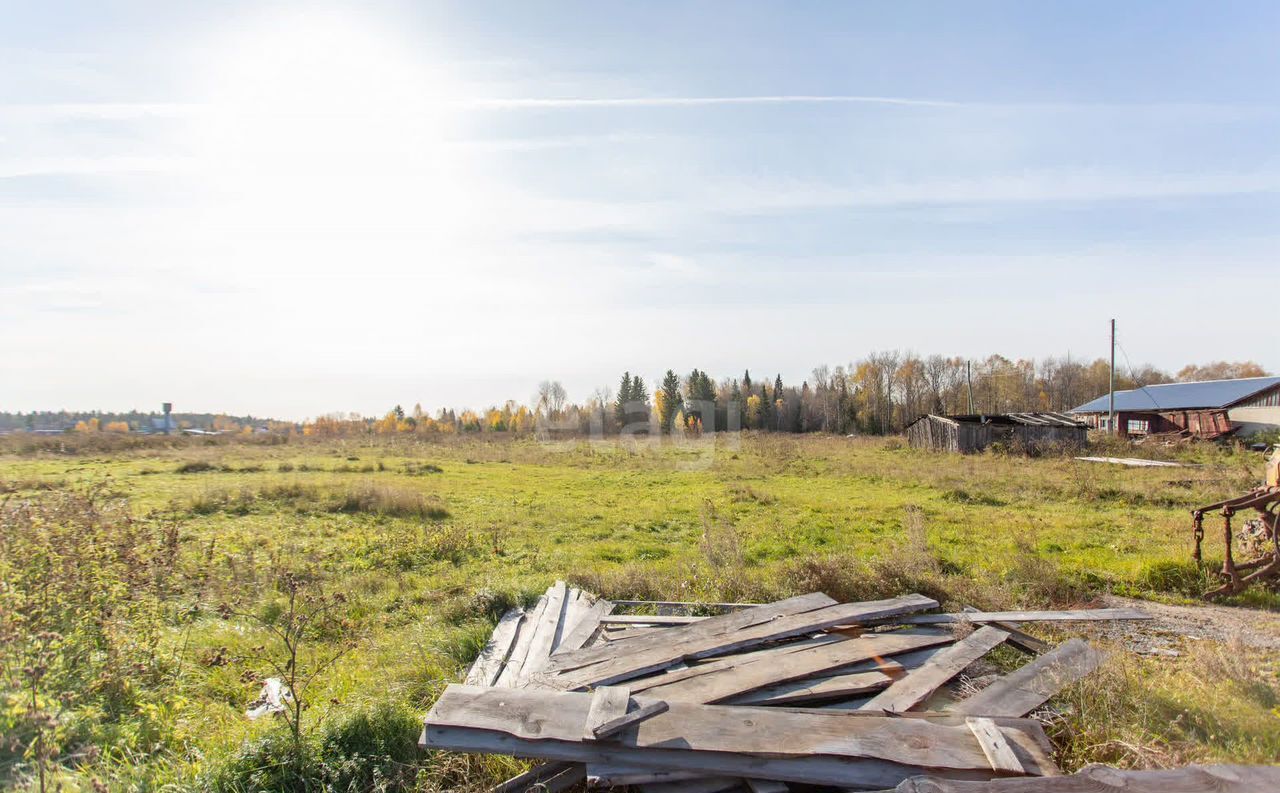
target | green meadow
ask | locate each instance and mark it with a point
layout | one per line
(149, 581)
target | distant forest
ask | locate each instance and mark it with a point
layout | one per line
(879, 394)
(128, 421)
(876, 395)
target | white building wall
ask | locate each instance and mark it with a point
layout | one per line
(1251, 420)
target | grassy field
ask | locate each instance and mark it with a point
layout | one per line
(146, 587)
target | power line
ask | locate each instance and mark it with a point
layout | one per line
(1134, 376)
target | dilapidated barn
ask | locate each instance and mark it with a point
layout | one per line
(1031, 432)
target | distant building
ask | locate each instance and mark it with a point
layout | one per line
(1207, 409)
(1030, 432)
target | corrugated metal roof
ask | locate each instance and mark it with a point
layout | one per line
(1183, 396)
(1033, 419)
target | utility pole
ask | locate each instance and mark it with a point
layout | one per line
(1111, 385)
(968, 378)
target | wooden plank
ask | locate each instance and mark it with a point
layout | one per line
(714, 636)
(1102, 779)
(549, 777)
(1021, 616)
(733, 679)
(816, 689)
(586, 627)
(915, 687)
(714, 784)
(544, 636)
(621, 775)
(682, 671)
(685, 604)
(1026, 689)
(725, 623)
(629, 719)
(1023, 641)
(488, 665)
(998, 751)
(576, 606)
(607, 704)
(520, 650)
(650, 619)
(789, 744)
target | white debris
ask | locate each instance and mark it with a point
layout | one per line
(274, 698)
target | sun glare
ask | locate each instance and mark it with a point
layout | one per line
(326, 120)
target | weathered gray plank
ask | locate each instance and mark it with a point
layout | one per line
(815, 689)
(510, 674)
(488, 665)
(629, 719)
(723, 624)
(714, 784)
(1103, 779)
(548, 777)
(915, 687)
(713, 637)
(607, 704)
(1021, 616)
(788, 744)
(621, 775)
(576, 605)
(734, 679)
(686, 604)
(544, 636)
(1026, 689)
(650, 619)
(998, 751)
(584, 628)
(682, 671)
(1017, 638)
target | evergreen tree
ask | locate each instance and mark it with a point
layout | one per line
(735, 406)
(766, 408)
(670, 402)
(779, 404)
(639, 394)
(624, 396)
(746, 382)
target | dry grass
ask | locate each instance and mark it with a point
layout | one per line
(1216, 703)
(399, 502)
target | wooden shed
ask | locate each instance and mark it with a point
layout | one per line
(1031, 432)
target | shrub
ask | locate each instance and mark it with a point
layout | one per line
(371, 749)
(389, 500)
(195, 467)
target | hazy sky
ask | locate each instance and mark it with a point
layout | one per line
(290, 209)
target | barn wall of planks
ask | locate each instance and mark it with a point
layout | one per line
(851, 696)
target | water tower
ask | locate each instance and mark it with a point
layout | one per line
(168, 417)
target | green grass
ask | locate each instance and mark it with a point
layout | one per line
(429, 541)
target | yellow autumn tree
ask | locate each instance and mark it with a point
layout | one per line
(117, 426)
(754, 404)
(387, 424)
(521, 420)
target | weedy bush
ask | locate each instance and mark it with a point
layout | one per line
(195, 467)
(86, 592)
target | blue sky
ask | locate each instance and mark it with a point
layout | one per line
(290, 209)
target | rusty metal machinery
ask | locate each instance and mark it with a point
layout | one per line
(1259, 537)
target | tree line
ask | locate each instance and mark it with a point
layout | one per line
(878, 394)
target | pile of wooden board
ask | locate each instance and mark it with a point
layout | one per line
(805, 690)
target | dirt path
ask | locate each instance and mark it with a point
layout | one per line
(1173, 624)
